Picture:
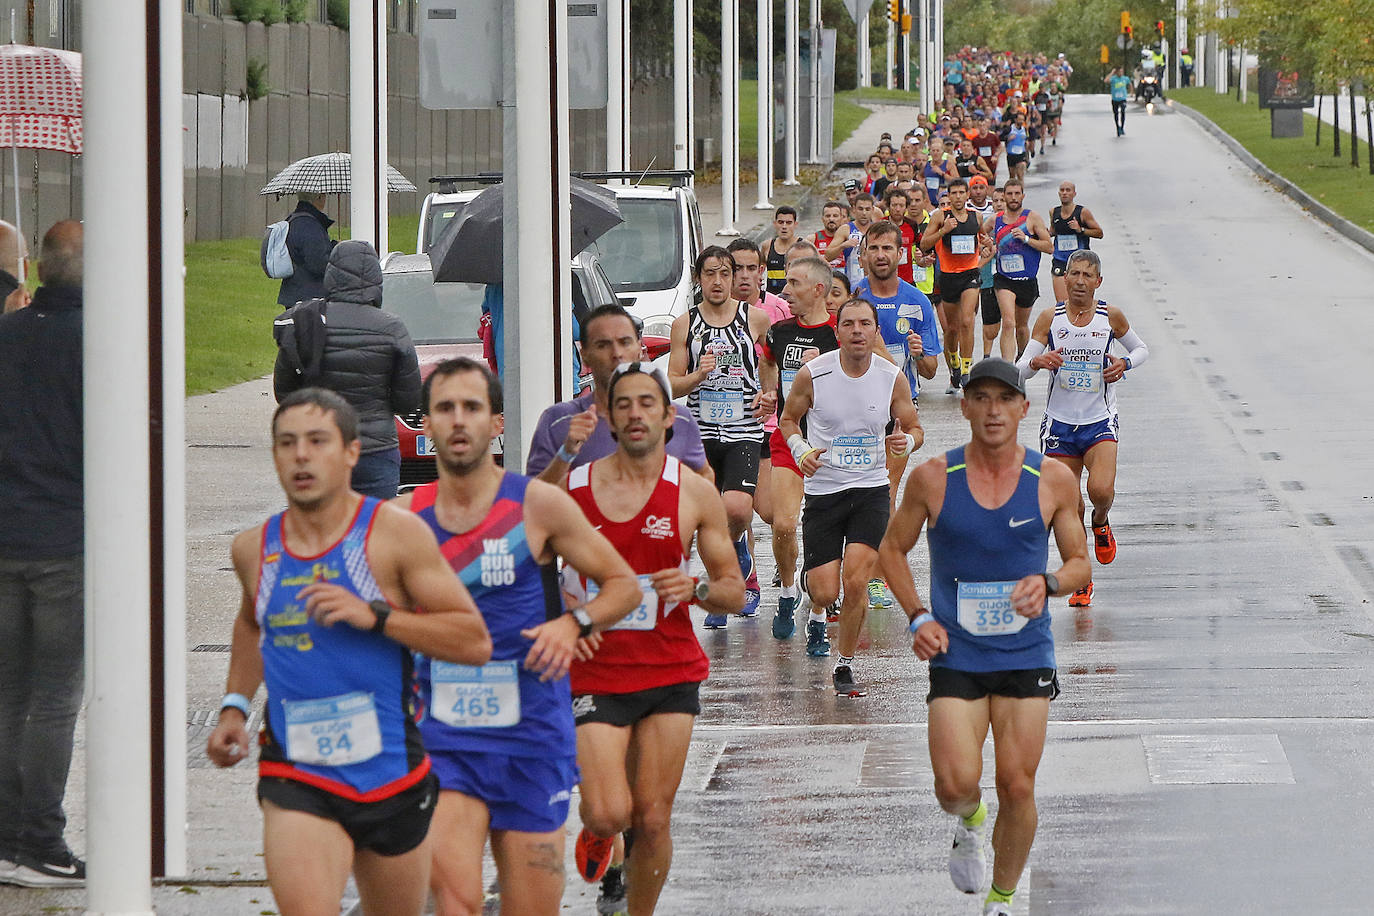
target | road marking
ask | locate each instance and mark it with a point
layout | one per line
(1191, 760)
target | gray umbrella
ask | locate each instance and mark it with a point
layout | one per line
(328, 173)
(469, 249)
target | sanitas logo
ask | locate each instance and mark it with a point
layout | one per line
(658, 527)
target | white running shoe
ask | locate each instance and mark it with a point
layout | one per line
(992, 908)
(968, 865)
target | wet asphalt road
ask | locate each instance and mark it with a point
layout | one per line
(1209, 751)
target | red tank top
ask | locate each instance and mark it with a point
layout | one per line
(654, 646)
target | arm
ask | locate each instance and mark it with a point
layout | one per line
(981, 168)
(766, 401)
(717, 551)
(908, 436)
(839, 244)
(228, 743)
(1037, 355)
(682, 382)
(405, 372)
(1090, 225)
(1059, 496)
(934, 230)
(797, 404)
(930, 638)
(1136, 350)
(1039, 236)
(544, 462)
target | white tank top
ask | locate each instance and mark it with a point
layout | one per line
(848, 418)
(1077, 394)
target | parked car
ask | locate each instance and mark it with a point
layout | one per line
(444, 320)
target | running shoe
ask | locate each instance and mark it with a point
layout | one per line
(878, 595)
(610, 900)
(61, 869)
(785, 620)
(593, 855)
(996, 908)
(1083, 597)
(777, 578)
(817, 644)
(714, 622)
(832, 611)
(7, 866)
(968, 865)
(844, 682)
(746, 559)
(751, 603)
(1104, 543)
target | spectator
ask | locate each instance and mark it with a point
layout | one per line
(13, 253)
(42, 609)
(366, 356)
(309, 244)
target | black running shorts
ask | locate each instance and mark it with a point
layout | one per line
(390, 827)
(736, 464)
(833, 521)
(974, 685)
(625, 709)
(952, 285)
(1027, 291)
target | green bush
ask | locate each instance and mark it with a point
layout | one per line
(297, 10)
(256, 79)
(267, 12)
(337, 11)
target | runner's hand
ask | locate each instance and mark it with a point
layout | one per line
(1028, 596)
(930, 640)
(331, 604)
(586, 647)
(1114, 370)
(809, 354)
(914, 346)
(707, 364)
(580, 429)
(1073, 224)
(950, 224)
(811, 462)
(1050, 359)
(228, 743)
(896, 444)
(555, 644)
(765, 402)
(673, 585)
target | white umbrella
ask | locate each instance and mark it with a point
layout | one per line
(328, 173)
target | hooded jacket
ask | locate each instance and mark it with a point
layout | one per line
(368, 357)
(309, 244)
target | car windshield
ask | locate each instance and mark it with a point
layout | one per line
(433, 312)
(439, 217)
(645, 251)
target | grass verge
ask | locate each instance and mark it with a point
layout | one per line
(849, 113)
(1330, 179)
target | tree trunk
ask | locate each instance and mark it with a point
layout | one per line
(1319, 118)
(1368, 133)
(1354, 133)
(1336, 121)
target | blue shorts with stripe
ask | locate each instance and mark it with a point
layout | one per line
(528, 794)
(1066, 440)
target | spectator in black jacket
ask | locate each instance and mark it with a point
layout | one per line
(368, 358)
(309, 244)
(42, 608)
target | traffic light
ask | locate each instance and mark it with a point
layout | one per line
(1159, 27)
(906, 23)
(1125, 22)
(894, 10)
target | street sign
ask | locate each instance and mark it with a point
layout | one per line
(857, 8)
(1123, 42)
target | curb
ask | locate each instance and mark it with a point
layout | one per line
(804, 206)
(1345, 227)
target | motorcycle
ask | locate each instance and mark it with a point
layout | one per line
(1147, 89)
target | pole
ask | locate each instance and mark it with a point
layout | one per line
(927, 85)
(367, 122)
(682, 85)
(904, 46)
(861, 67)
(1180, 38)
(729, 116)
(123, 260)
(814, 155)
(617, 81)
(889, 54)
(791, 35)
(1354, 131)
(765, 104)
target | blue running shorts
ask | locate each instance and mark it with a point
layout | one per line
(1064, 440)
(529, 794)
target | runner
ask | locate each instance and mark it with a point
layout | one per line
(501, 735)
(896, 204)
(1081, 427)
(1072, 225)
(713, 363)
(1020, 237)
(968, 163)
(791, 344)
(325, 621)
(988, 145)
(957, 239)
(833, 215)
(1120, 86)
(785, 229)
(636, 698)
(847, 245)
(1015, 138)
(847, 397)
(990, 505)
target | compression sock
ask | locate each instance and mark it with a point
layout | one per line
(997, 895)
(789, 591)
(966, 364)
(976, 818)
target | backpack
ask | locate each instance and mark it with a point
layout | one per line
(300, 334)
(276, 260)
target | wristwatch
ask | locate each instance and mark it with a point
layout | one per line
(1051, 583)
(383, 611)
(700, 590)
(584, 622)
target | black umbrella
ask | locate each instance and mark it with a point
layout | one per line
(469, 249)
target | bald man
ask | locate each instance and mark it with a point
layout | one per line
(14, 254)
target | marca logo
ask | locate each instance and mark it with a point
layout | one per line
(658, 527)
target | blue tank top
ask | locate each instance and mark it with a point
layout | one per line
(1016, 140)
(499, 707)
(976, 555)
(338, 698)
(1016, 260)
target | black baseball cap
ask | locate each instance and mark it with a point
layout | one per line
(999, 370)
(851, 184)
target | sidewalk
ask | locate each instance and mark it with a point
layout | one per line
(1344, 102)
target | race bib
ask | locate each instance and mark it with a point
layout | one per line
(898, 353)
(1066, 243)
(985, 608)
(1011, 263)
(1080, 375)
(918, 273)
(333, 731)
(476, 696)
(962, 244)
(721, 406)
(857, 453)
(933, 183)
(985, 151)
(788, 377)
(644, 617)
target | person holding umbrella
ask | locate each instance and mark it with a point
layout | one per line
(309, 244)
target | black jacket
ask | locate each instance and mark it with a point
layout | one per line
(40, 427)
(369, 358)
(309, 244)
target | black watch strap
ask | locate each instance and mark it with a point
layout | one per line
(383, 611)
(584, 622)
(1051, 583)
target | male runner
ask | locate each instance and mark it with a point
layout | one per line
(714, 363)
(1020, 237)
(325, 620)
(785, 229)
(1072, 225)
(988, 143)
(832, 218)
(847, 397)
(1081, 427)
(635, 700)
(847, 244)
(1015, 136)
(1120, 86)
(501, 735)
(897, 202)
(956, 235)
(968, 163)
(990, 505)
(791, 344)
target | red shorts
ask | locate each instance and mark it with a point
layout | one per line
(782, 455)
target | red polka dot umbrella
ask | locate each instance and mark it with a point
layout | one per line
(40, 98)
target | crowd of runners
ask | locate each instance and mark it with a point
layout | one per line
(446, 669)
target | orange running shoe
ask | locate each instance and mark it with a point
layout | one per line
(1104, 543)
(1081, 598)
(593, 855)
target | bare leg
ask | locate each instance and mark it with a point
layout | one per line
(458, 831)
(860, 561)
(530, 868)
(394, 885)
(308, 859)
(957, 731)
(660, 752)
(787, 500)
(1018, 735)
(1100, 460)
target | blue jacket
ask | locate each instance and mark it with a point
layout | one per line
(309, 244)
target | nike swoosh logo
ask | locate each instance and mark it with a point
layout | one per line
(1013, 523)
(429, 799)
(63, 869)
(1041, 682)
